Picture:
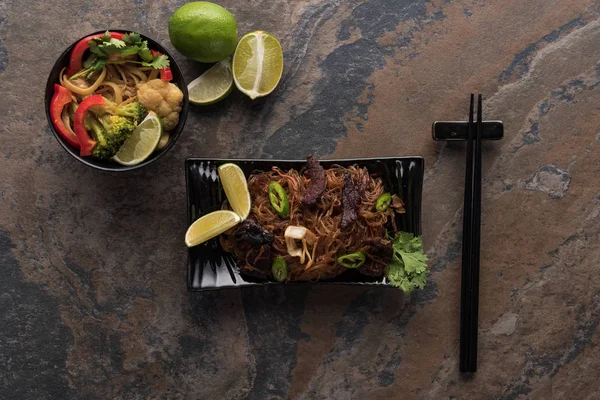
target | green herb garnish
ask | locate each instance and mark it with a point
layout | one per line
(408, 267)
(108, 50)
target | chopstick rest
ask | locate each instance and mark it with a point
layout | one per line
(457, 130)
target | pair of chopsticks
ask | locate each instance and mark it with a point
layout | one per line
(469, 300)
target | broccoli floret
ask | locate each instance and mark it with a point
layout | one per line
(110, 132)
(133, 110)
(117, 126)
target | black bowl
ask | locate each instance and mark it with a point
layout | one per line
(63, 61)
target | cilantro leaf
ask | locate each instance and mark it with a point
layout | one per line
(403, 238)
(419, 280)
(414, 262)
(158, 62)
(105, 45)
(408, 267)
(145, 53)
(132, 38)
(91, 65)
(407, 242)
(129, 50)
(90, 60)
(397, 277)
(96, 65)
(104, 38)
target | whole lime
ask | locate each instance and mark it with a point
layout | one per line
(203, 31)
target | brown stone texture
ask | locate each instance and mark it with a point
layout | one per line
(93, 301)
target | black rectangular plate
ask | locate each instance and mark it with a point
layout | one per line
(210, 267)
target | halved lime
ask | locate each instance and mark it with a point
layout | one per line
(142, 142)
(257, 64)
(213, 85)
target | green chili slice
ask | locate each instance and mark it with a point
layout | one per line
(383, 202)
(352, 260)
(279, 199)
(279, 269)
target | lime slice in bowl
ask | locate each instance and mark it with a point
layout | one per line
(213, 85)
(142, 142)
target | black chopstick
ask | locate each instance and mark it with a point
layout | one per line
(476, 239)
(465, 296)
(469, 309)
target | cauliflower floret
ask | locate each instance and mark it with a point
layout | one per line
(164, 98)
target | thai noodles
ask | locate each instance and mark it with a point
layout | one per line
(333, 222)
(109, 87)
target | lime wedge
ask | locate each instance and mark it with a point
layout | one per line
(257, 64)
(213, 85)
(210, 225)
(236, 189)
(142, 142)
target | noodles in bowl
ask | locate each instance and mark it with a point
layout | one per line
(116, 83)
(105, 85)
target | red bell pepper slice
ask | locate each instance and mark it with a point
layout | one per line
(165, 74)
(77, 53)
(62, 97)
(85, 142)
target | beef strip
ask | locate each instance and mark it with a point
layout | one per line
(380, 252)
(252, 233)
(316, 186)
(253, 272)
(371, 268)
(380, 247)
(258, 241)
(365, 178)
(261, 259)
(350, 201)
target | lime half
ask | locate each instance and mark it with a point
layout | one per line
(142, 142)
(213, 85)
(257, 64)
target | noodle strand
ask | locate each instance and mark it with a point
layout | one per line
(76, 89)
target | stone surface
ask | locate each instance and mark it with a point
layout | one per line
(93, 302)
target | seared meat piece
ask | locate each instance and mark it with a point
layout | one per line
(380, 248)
(350, 201)
(317, 183)
(253, 272)
(364, 179)
(371, 268)
(380, 252)
(254, 234)
(261, 259)
(397, 204)
(258, 240)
